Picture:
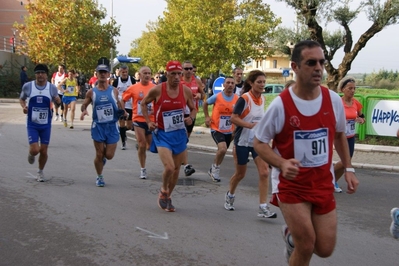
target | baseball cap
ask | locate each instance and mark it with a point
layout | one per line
(40, 68)
(173, 65)
(103, 64)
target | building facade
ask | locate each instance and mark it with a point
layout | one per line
(11, 11)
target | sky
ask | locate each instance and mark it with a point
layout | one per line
(381, 52)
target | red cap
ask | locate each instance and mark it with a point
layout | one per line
(173, 65)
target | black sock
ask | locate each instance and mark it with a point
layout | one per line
(122, 132)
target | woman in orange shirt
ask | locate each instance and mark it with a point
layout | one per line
(353, 113)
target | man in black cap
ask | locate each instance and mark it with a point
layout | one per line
(106, 112)
(35, 100)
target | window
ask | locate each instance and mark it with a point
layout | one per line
(274, 63)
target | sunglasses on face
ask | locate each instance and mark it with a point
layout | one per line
(188, 68)
(312, 62)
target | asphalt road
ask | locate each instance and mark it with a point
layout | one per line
(69, 221)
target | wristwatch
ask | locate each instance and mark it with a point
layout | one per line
(352, 170)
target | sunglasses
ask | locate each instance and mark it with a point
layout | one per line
(188, 68)
(312, 62)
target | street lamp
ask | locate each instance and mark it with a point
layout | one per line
(291, 46)
(111, 50)
(14, 31)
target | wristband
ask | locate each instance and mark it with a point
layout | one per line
(192, 119)
(352, 170)
(361, 116)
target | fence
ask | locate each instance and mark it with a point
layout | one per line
(9, 44)
(381, 113)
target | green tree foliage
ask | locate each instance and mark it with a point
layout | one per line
(67, 32)
(383, 79)
(212, 34)
(313, 13)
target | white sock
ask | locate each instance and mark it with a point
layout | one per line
(263, 205)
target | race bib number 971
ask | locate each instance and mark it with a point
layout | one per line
(311, 147)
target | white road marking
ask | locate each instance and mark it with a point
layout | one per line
(153, 235)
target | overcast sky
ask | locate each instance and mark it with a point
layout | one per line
(381, 52)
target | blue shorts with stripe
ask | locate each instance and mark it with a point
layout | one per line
(105, 132)
(176, 141)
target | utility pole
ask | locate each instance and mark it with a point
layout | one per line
(111, 50)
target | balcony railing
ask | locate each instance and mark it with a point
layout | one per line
(8, 44)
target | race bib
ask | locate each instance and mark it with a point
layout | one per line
(251, 136)
(40, 115)
(149, 108)
(105, 113)
(71, 89)
(173, 120)
(350, 127)
(225, 123)
(311, 147)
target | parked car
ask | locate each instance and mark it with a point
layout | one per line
(273, 88)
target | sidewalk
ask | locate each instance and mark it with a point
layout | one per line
(366, 156)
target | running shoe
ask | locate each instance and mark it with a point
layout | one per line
(394, 229)
(62, 119)
(100, 181)
(71, 127)
(289, 245)
(31, 158)
(65, 123)
(169, 206)
(163, 200)
(337, 188)
(137, 147)
(104, 161)
(40, 177)
(56, 117)
(143, 173)
(123, 146)
(229, 201)
(265, 212)
(188, 170)
(214, 172)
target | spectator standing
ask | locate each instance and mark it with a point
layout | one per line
(23, 76)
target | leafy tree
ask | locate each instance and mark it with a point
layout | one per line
(213, 34)
(67, 32)
(311, 14)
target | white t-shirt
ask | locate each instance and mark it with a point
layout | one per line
(273, 120)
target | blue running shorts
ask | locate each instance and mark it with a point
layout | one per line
(68, 99)
(176, 141)
(35, 133)
(105, 132)
(242, 153)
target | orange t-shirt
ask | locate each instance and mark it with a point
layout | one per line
(137, 92)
